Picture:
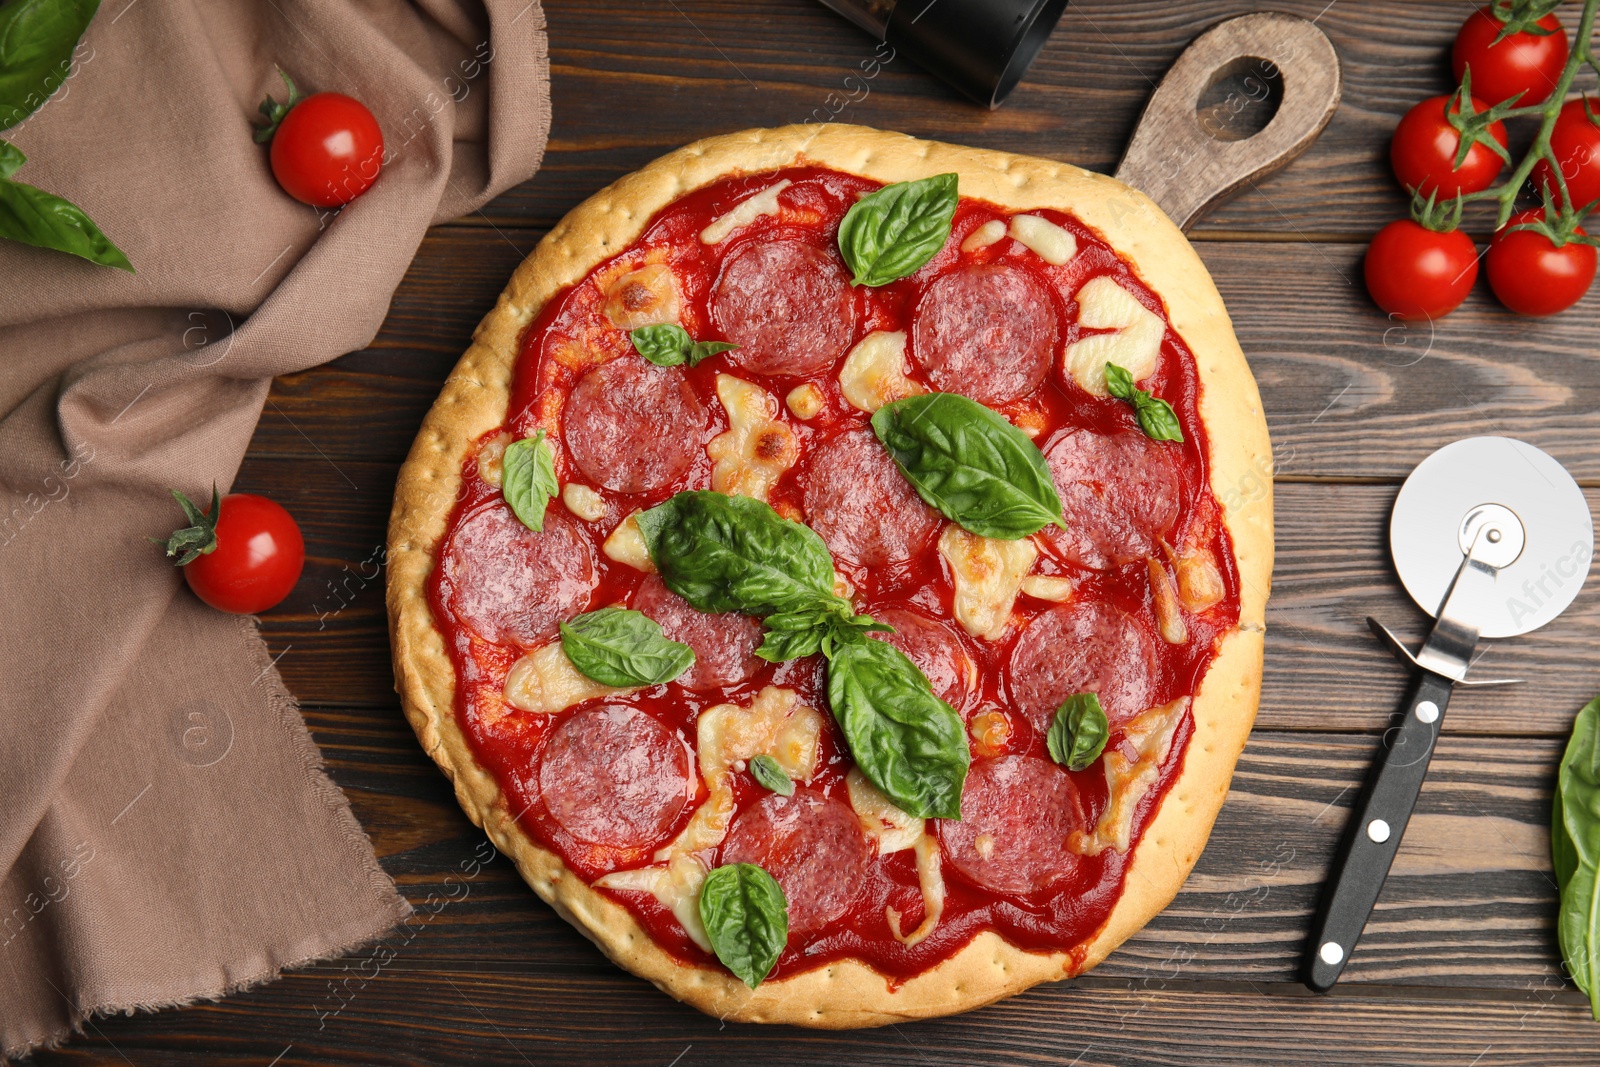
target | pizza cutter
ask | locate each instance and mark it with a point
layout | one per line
(1493, 538)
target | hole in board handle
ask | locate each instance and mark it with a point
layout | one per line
(1240, 100)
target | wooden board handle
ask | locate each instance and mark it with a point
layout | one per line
(1187, 170)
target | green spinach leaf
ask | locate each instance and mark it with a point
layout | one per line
(1078, 733)
(528, 479)
(747, 919)
(1575, 843)
(971, 464)
(889, 234)
(908, 742)
(620, 647)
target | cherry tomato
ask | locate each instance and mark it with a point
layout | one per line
(327, 150)
(1531, 276)
(1527, 63)
(1576, 143)
(1424, 148)
(242, 555)
(1416, 273)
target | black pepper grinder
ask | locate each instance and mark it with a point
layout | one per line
(981, 47)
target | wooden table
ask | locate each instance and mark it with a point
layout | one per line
(1459, 964)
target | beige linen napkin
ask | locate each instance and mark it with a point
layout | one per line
(168, 832)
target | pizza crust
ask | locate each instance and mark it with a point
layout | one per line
(474, 401)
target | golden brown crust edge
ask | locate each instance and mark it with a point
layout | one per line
(474, 401)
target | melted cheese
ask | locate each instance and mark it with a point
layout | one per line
(988, 574)
(990, 731)
(1174, 631)
(645, 297)
(984, 236)
(626, 545)
(874, 373)
(1044, 238)
(1199, 578)
(931, 879)
(583, 502)
(491, 456)
(804, 401)
(744, 213)
(1135, 346)
(544, 682)
(753, 452)
(894, 830)
(675, 884)
(775, 723)
(1047, 587)
(1128, 778)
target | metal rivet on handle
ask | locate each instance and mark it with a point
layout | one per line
(1428, 711)
(1332, 954)
(1378, 830)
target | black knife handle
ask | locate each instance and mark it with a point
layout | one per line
(1373, 837)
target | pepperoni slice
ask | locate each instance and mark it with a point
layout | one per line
(1119, 494)
(724, 645)
(1016, 815)
(862, 506)
(633, 427)
(932, 646)
(511, 585)
(614, 776)
(787, 305)
(986, 332)
(1084, 647)
(812, 845)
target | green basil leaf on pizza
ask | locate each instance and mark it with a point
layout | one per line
(1078, 732)
(970, 464)
(620, 647)
(669, 345)
(1154, 415)
(893, 232)
(528, 479)
(746, 918)
(908, 742)
(771, 775)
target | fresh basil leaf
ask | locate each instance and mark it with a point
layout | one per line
(1078, 733)
(11, 158)
(32, 216)
(37, 39)
(1575, 845)
(747, 919)
(666, 345)
(619, 647)
(1154, 415)
(528, 479)
(733, 553)
(782, 645)
(889, 234)
(971, 464)
(669, 345)
(908, 742)
(772, 777)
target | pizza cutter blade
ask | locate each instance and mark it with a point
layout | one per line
(1493, 538)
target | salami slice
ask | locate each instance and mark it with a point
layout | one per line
(511, 585)
(633, 427)
(1016, 815)
(787, 305)
(934, 648)
(862, 506)
(986, 332)
(812, 845)
(1084, 647)
(724, 645)
(614, 776)
(1119, 494)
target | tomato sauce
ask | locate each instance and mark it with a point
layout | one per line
(572, 334)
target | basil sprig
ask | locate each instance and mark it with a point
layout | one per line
(620, 647)
(528, 479)
(1575, 848)
(746, 916)
(889, 234)
(971, 464)
(37, 39)
(1156, 417)
(1078, 733)
(907, 741)
(732, 553)
(669, 345)
(771, 775)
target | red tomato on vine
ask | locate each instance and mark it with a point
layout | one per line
(1526, 61)
(243, 555)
